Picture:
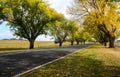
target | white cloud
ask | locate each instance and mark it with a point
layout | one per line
(44, 38)
(61, 5)
(6, 35)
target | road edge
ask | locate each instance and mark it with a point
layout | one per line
(18, 75)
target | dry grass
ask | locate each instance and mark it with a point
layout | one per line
(7, 45)
(13, 44)
(111, 56)
(95, 61)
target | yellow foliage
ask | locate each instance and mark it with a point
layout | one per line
(8, 12)
(106, 14)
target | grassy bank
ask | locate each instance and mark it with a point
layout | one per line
(95, 61)
(7, 45)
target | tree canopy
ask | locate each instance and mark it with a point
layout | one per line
(28, 18)
(99, 15)
(60, 30)
(73, 28)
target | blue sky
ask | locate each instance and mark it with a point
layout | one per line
(58, 5)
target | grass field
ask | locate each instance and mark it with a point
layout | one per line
(94, 61)
(7, 45)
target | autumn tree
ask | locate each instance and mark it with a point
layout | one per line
(85, 36)
(60, 30)
(101, 14)
(97, 34)
(82, 36)
(73, 28)
(28, 18)
(100, 37)
(77, 37)
(2, 16)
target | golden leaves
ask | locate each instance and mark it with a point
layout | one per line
(8, 12)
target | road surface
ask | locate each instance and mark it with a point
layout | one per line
(13, 63)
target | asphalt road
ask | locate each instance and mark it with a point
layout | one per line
(13, 63)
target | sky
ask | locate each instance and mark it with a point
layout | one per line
(59, 5)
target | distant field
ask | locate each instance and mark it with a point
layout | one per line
(6, 45)
(117, 44)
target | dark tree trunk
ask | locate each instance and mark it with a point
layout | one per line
(31, 44)
(77, 42)
(60, 44)
(84, 41)
(102, 43)
(72, 42)
(111, 42)
(81, 42)
(105, 43)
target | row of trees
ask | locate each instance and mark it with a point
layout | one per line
(30, 18)
(67, 30)
(101, 18)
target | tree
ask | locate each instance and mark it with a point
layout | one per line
(28, 18)
(82, 36)
(60, 30)
(101, 37)
(86, 36)
(73, 28)
(78, 36)
(2, 17)
(101, 15)
(106, 20)
(97, 34)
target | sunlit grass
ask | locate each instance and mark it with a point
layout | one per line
(8, 45)
(95, 61)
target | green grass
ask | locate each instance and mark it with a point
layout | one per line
(94, 61)
(9, 45)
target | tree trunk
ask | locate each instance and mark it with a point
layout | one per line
(105, 43)
(102, 43)
(31, 44)
(111, 42)
(84, 41)
(71, 42)
(81, 42)
(60, 44)
(77, 42)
